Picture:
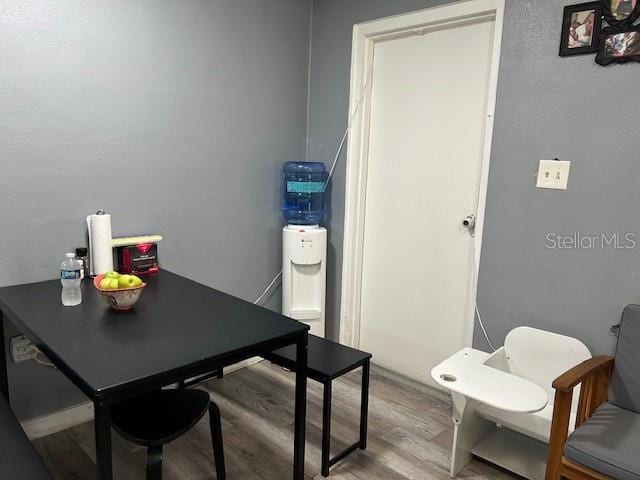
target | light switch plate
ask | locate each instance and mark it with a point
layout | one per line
(553, 174)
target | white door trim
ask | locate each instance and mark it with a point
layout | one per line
(365, 36)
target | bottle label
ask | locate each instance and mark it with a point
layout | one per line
(70, 274)
(305, 187)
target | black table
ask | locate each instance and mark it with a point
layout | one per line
(179, 329)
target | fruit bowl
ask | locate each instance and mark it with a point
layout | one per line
(120, 298)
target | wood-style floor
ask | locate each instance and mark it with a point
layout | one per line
(410, 433)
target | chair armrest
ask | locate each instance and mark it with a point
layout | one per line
(594, 375)
(568, 380)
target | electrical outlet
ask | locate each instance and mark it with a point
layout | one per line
(553, 174)
(22, 349)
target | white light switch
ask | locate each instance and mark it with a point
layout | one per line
(553, 174)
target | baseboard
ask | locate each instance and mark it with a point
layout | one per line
(78, 414)
(56, 422)
(243, 364)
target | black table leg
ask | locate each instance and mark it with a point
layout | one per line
(301, 408)
(364, 405)
(326, 428)
(4, 378)
(154, 463)
(102, 414)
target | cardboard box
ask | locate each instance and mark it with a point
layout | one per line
(141, 259)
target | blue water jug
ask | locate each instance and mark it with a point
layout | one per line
(304, 185)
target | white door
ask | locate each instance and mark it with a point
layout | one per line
(428, 113)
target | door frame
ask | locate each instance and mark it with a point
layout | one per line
(365, 36)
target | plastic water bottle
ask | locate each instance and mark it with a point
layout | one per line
(70, 279)
(304, 185)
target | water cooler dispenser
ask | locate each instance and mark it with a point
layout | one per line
(304, 254)
(304, 244)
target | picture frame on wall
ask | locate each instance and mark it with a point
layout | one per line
(621, 13)
(619, 45)
(581, 28)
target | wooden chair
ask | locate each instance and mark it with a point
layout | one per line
(157, 418)
(604, 445)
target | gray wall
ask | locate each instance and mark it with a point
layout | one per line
(175, 116)
(548, 107)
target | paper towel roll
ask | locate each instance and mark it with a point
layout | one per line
(100, 243)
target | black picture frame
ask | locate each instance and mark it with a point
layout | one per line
(605, 56)
(569, 32)
(612, 20)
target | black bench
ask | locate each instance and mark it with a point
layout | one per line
(327, 361)
(18, 458)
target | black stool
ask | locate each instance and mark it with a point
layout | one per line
(157, 418)
(327, 361)
(18, 458)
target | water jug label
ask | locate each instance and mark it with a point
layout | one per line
(70, 274)
(305, 187)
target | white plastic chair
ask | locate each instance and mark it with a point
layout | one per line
(510, 390)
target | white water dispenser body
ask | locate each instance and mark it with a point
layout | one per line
(304, 277)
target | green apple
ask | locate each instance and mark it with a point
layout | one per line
(136, 281)
(127, 281)
(111, 275)
(105, 284)
(114, 284)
